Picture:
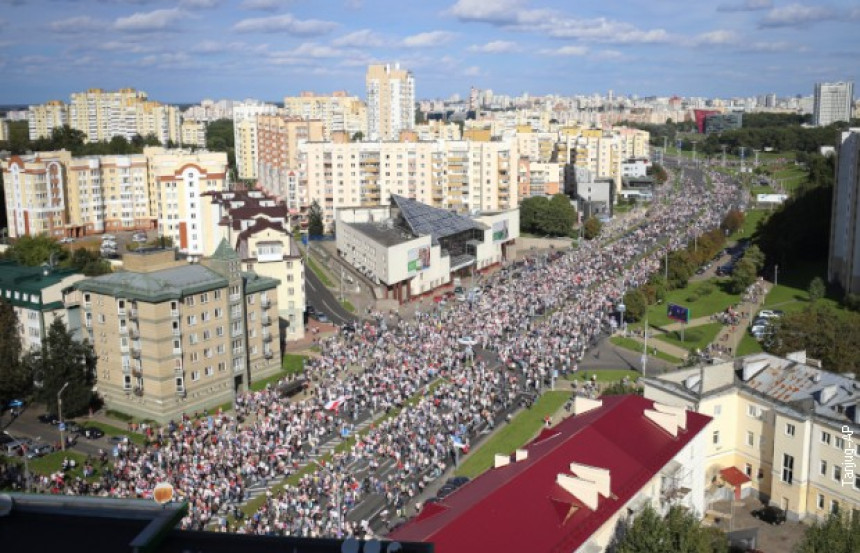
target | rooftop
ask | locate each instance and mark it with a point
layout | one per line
(386, 236)
(438, 223)
(158, 286)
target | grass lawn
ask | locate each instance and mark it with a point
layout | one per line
(748, 345)
(704, 306)
(697, 337)
(51, 463)
(751, 221)
(791, 295)
(110, 430)
(348, 306)
(292, 364)
(633, 345)
(522, 428)
(319, 272)
(608, 376)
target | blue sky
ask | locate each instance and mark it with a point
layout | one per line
(186, 50)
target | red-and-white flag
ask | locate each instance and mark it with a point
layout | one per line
(335, 404)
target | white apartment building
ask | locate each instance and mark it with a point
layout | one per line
(43, 119)
(245, 134)
(832, 102)
(338, 111)
(390, 101)
(844, 259)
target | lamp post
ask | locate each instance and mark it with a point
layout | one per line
(61, 425)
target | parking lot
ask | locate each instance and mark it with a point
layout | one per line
(771, 538)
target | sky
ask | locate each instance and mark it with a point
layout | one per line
(182, 51)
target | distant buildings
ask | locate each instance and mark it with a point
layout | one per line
(245, 135)
(338, 112)
(843, 265)
(832, 103)
(390, 101)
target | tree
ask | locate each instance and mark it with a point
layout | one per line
(531, 210)
(636, 303)
(838, 533)
(16, 381)
(824, 335)
(358, 136)
(591, 228)
(658, 173)
(62, 360)
(559, 217)
(35, 250)
(743, 275)
(816, 289)
(315, 220)
(679, 532)
(733, 221)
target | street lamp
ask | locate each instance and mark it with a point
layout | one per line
(61, 424)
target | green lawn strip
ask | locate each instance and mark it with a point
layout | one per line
(53, 462)
(609, 376)
(791, 294)
(291, 364)
(696, 337)
(319, 273)
(751, 220)
(521, 429)
(110, 430)
(716, 301)
(748, 345)
(348, 305)
(633, 345)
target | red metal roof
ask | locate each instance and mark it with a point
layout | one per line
(734, 477)
(520, 507)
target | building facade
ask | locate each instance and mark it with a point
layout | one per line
(173, 337)
(278, 139)
(843, 266)
(390, 101)
(43, 119)
(832, 102)
(338, 111)
(245, 135)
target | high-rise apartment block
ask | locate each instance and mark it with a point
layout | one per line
(339, 112)
(844, 259)
(43, 119)
(174, 337)
(245, 135)
(278, 139)
(390, 101)
(832, 103)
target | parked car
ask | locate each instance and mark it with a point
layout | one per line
(770, 514)
(39, 449)
(139, 238)
(48, 418)
(92, 432)
(323, 318)
(110, 237)
(67, 240)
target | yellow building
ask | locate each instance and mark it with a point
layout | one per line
(35, 191)
(390, 101)
(278, 139)
(245, 135)
(100, 114)
(192, 134)
(338, 112)
(43, 119)
(785, 425)
(173, 337)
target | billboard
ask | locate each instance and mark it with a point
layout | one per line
(771, 198)
(500, 231)
(418, 259)
(678, 313)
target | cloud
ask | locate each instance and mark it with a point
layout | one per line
(566, 51)
(285, 23)
(745, 6)
(775, 47)
(218, 46)
(717, 37)
(78, 24)
(601, 30)
(307, 52)
(495, 47)
(199, 4)
(262, 5)
(365, 38)
(167, 60)
(13, 2)
(797, 15)
(472, 71)
(428, 39)
(496, 12)
(156, 20)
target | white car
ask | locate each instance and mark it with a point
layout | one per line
(108, 238)
(67, 240)
(767, 314)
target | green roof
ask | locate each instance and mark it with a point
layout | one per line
(158, 286)
(257, 283)
(29, 281)
(224, 252)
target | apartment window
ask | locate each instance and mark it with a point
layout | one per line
(220, 349)
(189, 301)
(207, 334)
(748, 470)
(205, 316)
(222, 366)
(192, 320)
(217, 294)
(825, 438)
(789, 429)
(174, 305)
(219, 331)
(823, 468)
(787, 468)
(839, 443)
(752, 410)
(820, 501)
(251, 300)
(718, 409)
(192, 339)
(750, 439)
(195, 376)
(834, 506)
(207, 353)
(219, 312)
(716, 437)
(204, 297)
(837, 473)
(209, 371)
(101, 318)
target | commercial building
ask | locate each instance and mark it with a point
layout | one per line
(338, 111)
(571, 487)
(390, 101)
(278, 139)
(843, 265)
(36, 295)
(832, 102)
(174, 337)
(782, 430)
(245, 135)
(411, 249)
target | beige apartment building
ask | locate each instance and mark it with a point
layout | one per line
(787, 427)
(100, 113)
(245, 135)
(173, 337)
(278, 139)
(338, 111)
(193, 134)
(390, 101)
(456, 175)
(35, 192)
(43, 119)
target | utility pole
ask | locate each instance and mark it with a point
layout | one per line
(666, 265)
(62, 424)
(775, 274)
(724, 154)
(645, 350)
(755, 163)
(694, 153)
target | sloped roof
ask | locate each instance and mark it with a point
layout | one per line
(520, 507)
(224, 252)
(158, 286)
(438, 223)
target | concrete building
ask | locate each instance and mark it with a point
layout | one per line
(832, 102)
(539, 178)
(390, 101)
(245, 135)
(278, 139)
(193, 134)
(717, 123)
(173, 337)
(571, 487)
(35, 190)
(411, 249)
(843, 266)
(43, 119)
(100, 114)
(460, 176)
(338, 111)
(4, 129)
(782, 428)
(36, 296)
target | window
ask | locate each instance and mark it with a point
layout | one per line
(192, 339)
(716, 437)
(787, 468)
(752, 410)
(825, 438)
(207, 334)
(189, 301)
(820, 501)
(718, 409)
(789, 429)
(209, 371)
(823, 468)
(750, 439)
(222, 366)
(205, 316)
(837, 473)
(839, 442)
(217, 294)
(220, 349)
(218, 312)
(834, 506)
(204, 297)
(195, 376)
(207, 353)
(219, 331)
(748, 470)
(192, 320)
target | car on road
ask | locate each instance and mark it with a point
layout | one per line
(14, 448)
(323, 318)
(116, 440)
(48, 418)
(73, 428)
(139, 238)
(348, 328)
(92, 432)
(770, 515)
(39, 449)
(446, 490)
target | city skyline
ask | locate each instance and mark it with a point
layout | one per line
(193, 49)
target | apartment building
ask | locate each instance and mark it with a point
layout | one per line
(338, 111)
(35, 192)
(4, 129)
(390, 101)
(100, 113)
(437, 130)
(177, 180)
(832, 102)
(456, 175)
(278, 139)
(245, 135)
(843, 265)
(43, 119)
(539, 178)
(173, 337)
(784, 428)
(192, 134)
(36, 296)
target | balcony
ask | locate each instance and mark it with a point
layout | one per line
(136, 372)
(135, 352)
(135, 334)
(266, 320)
(174, 313)
(123, 330)
(267, 338)
(177, 351)
(266, 303)
(132, 314)
(180, 391)
(138, 391)
(268, 354)
(126, 369)
(177, 371)
(177, 332)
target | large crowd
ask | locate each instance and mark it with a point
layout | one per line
(533, 318)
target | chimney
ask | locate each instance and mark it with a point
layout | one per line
(583, 405)
(521, 455)
(501, 460)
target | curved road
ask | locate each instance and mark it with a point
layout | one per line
(322, 299)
